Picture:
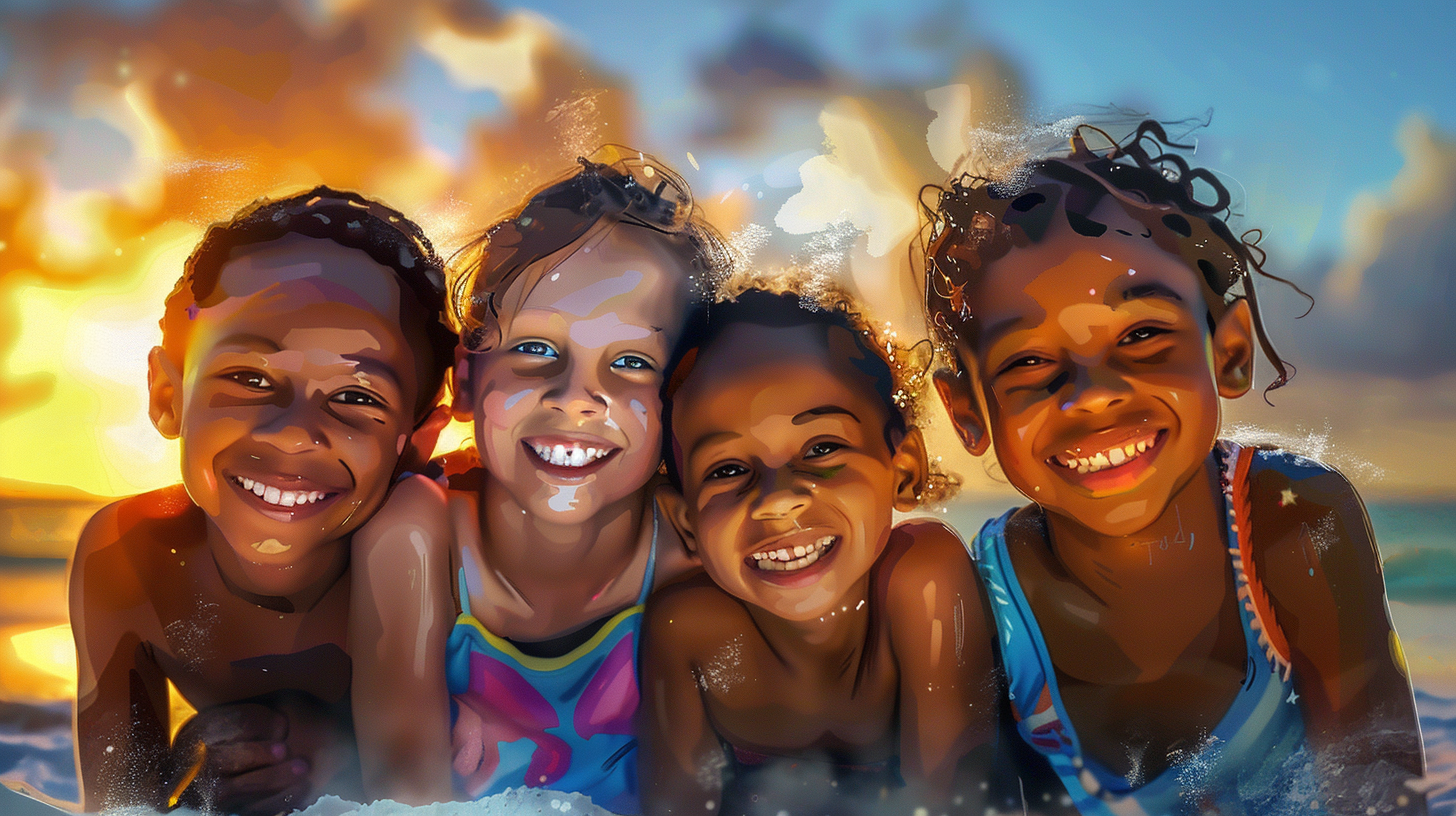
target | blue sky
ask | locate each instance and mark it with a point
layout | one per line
(1306, 98)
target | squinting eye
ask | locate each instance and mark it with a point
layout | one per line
(728, 472)
(250, 379)
(536, 348)
(357, 398)
(1140, 334)
(632, 362)
(822, 449)
(1026, 361)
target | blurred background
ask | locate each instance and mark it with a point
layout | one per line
(806, 130)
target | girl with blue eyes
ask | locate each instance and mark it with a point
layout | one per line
(498, 617)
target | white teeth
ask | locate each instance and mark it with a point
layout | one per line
(1112, 457)
(278, 496)
(786, 560)
(573, 456)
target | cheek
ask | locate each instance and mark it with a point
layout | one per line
(504, 402)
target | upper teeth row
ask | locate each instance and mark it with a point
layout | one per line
(1102, 460)
(574, 456)
(789, 557)
(282, 498)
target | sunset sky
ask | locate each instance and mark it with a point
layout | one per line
(126, 127)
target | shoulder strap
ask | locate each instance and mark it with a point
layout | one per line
(651, 561)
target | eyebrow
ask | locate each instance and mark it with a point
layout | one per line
(249, 341)
(710, 439)
(1001, 328)
(823, 410)
(1151, 290)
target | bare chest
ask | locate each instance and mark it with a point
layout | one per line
(760, 703)
(219, 648)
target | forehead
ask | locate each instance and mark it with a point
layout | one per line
(1034, 284)
(624, 270)
(327, 269)
(305, 293)
(752, 372)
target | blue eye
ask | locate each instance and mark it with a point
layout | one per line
(536, 348)
(632, 362)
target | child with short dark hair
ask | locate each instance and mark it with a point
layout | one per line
(1164, 592)
(827, 652)
(301, 352)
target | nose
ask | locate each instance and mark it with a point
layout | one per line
(577, 393)
(294, 428)
(1090, 388)
(781, 498)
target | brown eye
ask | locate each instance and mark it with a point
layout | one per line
(730, 471)
(352, 397)
(250, 380)
(1140, 334)
(822, 449)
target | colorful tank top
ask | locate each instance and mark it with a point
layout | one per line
(564, 723)
(1255, 761)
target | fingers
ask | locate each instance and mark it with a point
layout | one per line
(228, 759)
(241, 722)
(271, 789)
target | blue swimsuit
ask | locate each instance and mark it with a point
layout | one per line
(564, 723)
(1255, 761)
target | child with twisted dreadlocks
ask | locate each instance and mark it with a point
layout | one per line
(1185, 624)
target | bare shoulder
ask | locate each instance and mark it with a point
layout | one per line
(693, 615)
(416, 505)
(922, 553)
(1295, 502)
(124, 542)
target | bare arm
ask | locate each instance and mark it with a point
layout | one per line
(401, 611)
(1328, 593)
(943, 648)
(680, 760)
(121, 696)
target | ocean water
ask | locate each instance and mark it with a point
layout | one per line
(1417, 541)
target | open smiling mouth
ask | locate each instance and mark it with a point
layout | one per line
(283, 503)
(792, 559)
(567, 457)
(1127, 458)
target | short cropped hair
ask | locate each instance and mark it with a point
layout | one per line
(346, 218)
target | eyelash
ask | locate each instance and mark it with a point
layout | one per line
(247, 379)
(833, 446)
(717, 473)
(373, 401)
(536, 348)
(1148, 333)
(623, 362)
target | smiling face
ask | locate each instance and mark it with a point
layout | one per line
(567, 407)
(1099, 375)
(788, 481)
(297, 393)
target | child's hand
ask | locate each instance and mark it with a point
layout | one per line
(235, 758)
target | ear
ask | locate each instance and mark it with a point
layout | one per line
(462, 392)
(676, 508)
(164, 393)
(421, 445)
(959, 399)
(911, 470)
(1233, 351)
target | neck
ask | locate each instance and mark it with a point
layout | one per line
(1189, 532)
(296, 586)
(828, 640)
(528, 548)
